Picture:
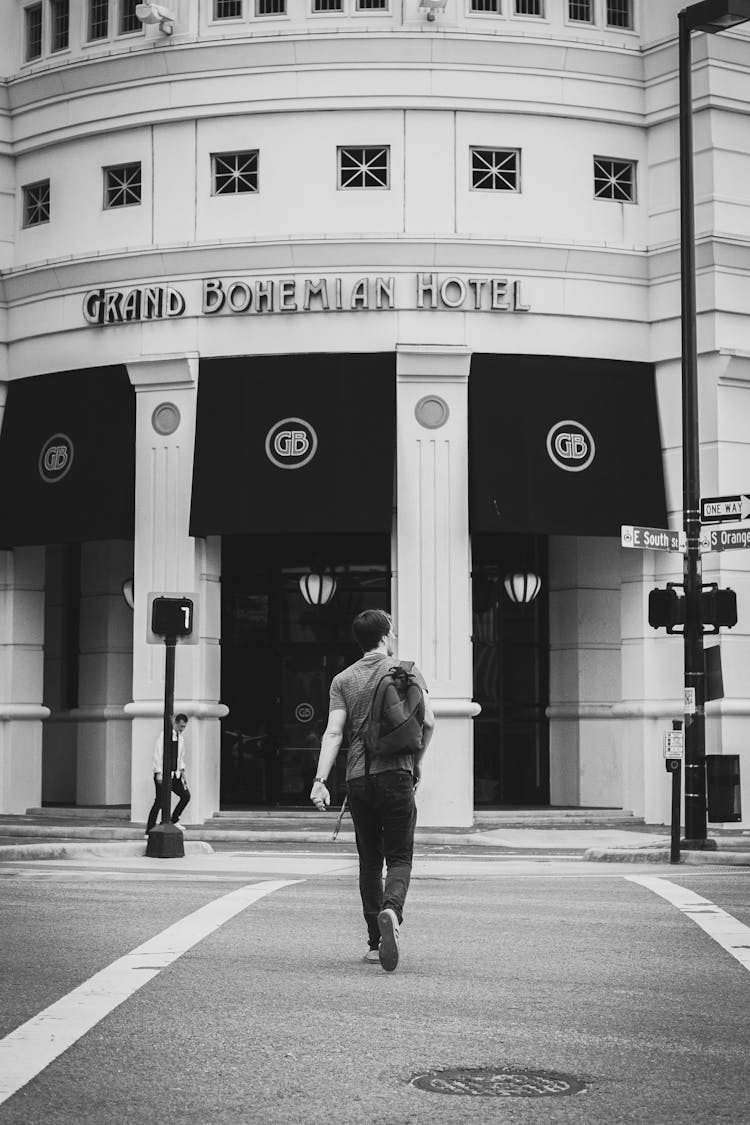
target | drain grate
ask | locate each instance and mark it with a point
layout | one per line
(497, 1082)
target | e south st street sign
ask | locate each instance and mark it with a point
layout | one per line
(652, 538)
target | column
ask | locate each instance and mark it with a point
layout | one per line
(433, 567)
(168, 560)
(105, 675)
(21, 678)
(585, 762)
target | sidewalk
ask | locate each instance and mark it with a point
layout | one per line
(604, 835)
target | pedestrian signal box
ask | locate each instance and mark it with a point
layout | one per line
(172, 617)
(667, 609)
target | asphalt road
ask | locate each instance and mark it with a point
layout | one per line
(553, 966)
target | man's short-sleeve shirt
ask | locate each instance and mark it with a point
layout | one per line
(352, 691)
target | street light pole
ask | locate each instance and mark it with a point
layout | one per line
(710, 16)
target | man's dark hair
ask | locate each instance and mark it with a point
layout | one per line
(180, 716)
(369, 628)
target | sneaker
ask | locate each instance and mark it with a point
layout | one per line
(388, 948)
(372, 957)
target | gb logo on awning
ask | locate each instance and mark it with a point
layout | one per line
(570, 446)
(291, 443)
(55, 458)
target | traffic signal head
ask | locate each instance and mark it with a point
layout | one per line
(666, 608)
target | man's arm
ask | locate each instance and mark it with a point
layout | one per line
(329, 749)
(428, 726)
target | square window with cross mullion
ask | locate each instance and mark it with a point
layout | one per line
(59, 31)
(122, 186)
(227, 9)
(581, 11)
(620, 14)
(495, 169)
(33, 29)
(129, 21)
(36, 203)
(614, 179)
(235, 173)
(98, 22)
(363, 167)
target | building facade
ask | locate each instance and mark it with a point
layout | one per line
(369, 299)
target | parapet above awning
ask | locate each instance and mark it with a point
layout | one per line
(295, 443)
(563, 446)
(67, 458)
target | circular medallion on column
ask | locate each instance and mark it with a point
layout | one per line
(431, 412)
(166, 418)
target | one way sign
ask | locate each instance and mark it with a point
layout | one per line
(719, 509)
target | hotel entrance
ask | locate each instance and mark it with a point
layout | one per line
(287, 607)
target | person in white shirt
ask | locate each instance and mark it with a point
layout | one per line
(179, 779)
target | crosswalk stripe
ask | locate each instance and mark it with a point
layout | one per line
(35, 1044)
(724, 928)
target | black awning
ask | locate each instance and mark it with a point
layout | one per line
(296, 443)
(67, 458)
(564, 446)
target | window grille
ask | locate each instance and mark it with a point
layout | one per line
(495, 169)
(620, 13)
(128, 19)
(227, 9)
(235, 172)
(614, 179)
(33, 32)
(98, 19)
(122, 186)
(529, 7)
(270, 8)
(363, 167)
(485, 5)
(372, 5)
(59, 25)
(36, 203)
(327, 6)
(580, 11)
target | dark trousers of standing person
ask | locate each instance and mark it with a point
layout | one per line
(384, 813)
(180, 788)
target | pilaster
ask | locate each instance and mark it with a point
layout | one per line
(21, 678)
(168, 560)
(433, 568)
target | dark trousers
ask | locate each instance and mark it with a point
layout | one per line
(180, 788)
(384, 813)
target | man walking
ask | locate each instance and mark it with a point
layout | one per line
(380, 791)
(178, 776)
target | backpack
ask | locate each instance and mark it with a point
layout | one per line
(394, 723)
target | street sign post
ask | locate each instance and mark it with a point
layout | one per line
(652, 538)
(723, 509)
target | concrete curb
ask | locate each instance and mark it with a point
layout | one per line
(79, 851)
(661, 855)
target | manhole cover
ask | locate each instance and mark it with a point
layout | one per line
(497, 1082)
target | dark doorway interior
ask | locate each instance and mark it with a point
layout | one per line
(511, 680)
(279, 655)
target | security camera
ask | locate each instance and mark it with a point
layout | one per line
(155, 13)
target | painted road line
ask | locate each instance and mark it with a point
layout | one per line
(731, 935)
(35, 1044)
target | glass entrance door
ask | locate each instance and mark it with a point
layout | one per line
(279, 655)
(511, 660)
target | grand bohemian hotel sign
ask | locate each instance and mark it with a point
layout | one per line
(259, 296)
